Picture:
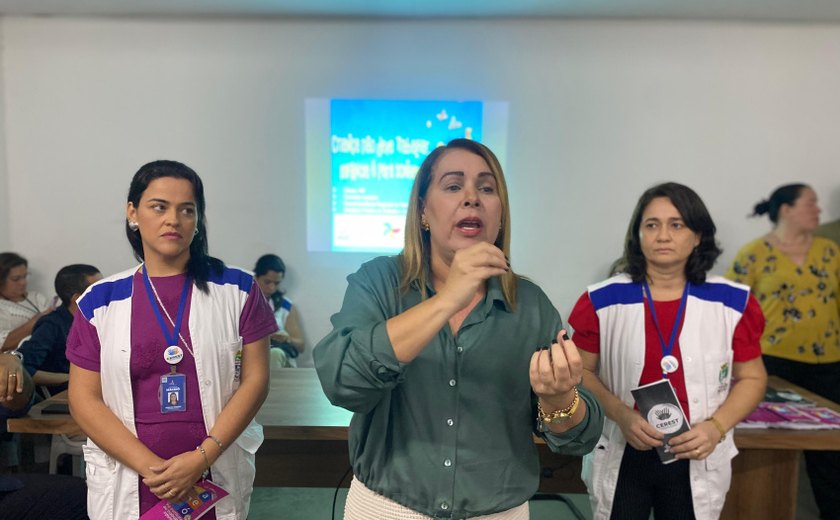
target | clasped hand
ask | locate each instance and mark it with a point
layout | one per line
(697, 443)
(173, 479)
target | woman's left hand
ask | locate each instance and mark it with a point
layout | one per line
(555, 372)
(173, 480)
(697, 443)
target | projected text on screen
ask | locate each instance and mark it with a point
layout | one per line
(376, 147)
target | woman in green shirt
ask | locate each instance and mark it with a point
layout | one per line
(794, 275)
(434, 351)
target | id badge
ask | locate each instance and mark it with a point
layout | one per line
(173, 393)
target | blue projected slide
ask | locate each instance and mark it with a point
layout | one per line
(377, 148)
(363, 155)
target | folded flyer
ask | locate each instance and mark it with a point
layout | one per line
(203, 498)
(659, 405)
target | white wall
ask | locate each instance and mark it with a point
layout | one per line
(599, 110)
(4, 188)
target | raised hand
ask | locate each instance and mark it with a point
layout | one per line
(470, 268)
(555, 371)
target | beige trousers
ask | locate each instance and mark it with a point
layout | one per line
(364, 504)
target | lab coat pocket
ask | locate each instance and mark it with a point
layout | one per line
(100, 472)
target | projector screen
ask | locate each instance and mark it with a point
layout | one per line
(363, 155)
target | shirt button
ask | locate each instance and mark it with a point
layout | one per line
(450, 422)
(695, 401)
(460, 349)
(444, 506)
(208, 382)
(447, 463)
(452, 382)
(688, 360)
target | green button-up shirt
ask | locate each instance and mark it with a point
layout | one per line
(450, 434)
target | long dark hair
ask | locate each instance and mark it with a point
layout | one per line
(200, 264)
(267, 263)
(696, 217)
(786, 194)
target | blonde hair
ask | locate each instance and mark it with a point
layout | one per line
(416, 254)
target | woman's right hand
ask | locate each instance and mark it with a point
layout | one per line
(638, 432)
(470, 268)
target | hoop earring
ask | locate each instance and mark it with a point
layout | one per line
(133, 225)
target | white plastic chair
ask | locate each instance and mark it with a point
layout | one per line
(63, 445)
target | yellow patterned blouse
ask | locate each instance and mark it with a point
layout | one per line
(799, 302)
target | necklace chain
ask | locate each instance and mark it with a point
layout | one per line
(27, 300)
(168, 317)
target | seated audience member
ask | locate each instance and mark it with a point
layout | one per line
(287, 343)
(829, 230)
(43, 353)
(32, 496)
(19, 308)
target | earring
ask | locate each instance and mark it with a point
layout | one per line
(133, 225)
(195, 231)
(424, 223)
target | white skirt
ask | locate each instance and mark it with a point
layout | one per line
(364, 504)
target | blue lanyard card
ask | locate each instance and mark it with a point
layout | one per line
(173, 393)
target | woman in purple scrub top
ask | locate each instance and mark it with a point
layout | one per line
(181, 323)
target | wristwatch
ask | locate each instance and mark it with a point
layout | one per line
(544, 420)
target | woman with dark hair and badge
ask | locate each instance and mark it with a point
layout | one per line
(169, 360)
(664, 317)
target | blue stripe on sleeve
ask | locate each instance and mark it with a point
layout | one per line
(730, 296)
(233, 276)
(615, 294)
(102, 294)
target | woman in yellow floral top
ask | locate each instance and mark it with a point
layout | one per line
(794, 275)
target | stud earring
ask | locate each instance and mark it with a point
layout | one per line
(133, 225)
(195, 231)
(424, 223)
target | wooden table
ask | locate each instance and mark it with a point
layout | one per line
(765, 474)
(306, 446)
(37, 422)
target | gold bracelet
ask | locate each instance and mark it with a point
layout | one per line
(719, 427)
(561, 415)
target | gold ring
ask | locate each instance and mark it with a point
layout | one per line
(171, 493)
(697, 451)
(12, 375)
